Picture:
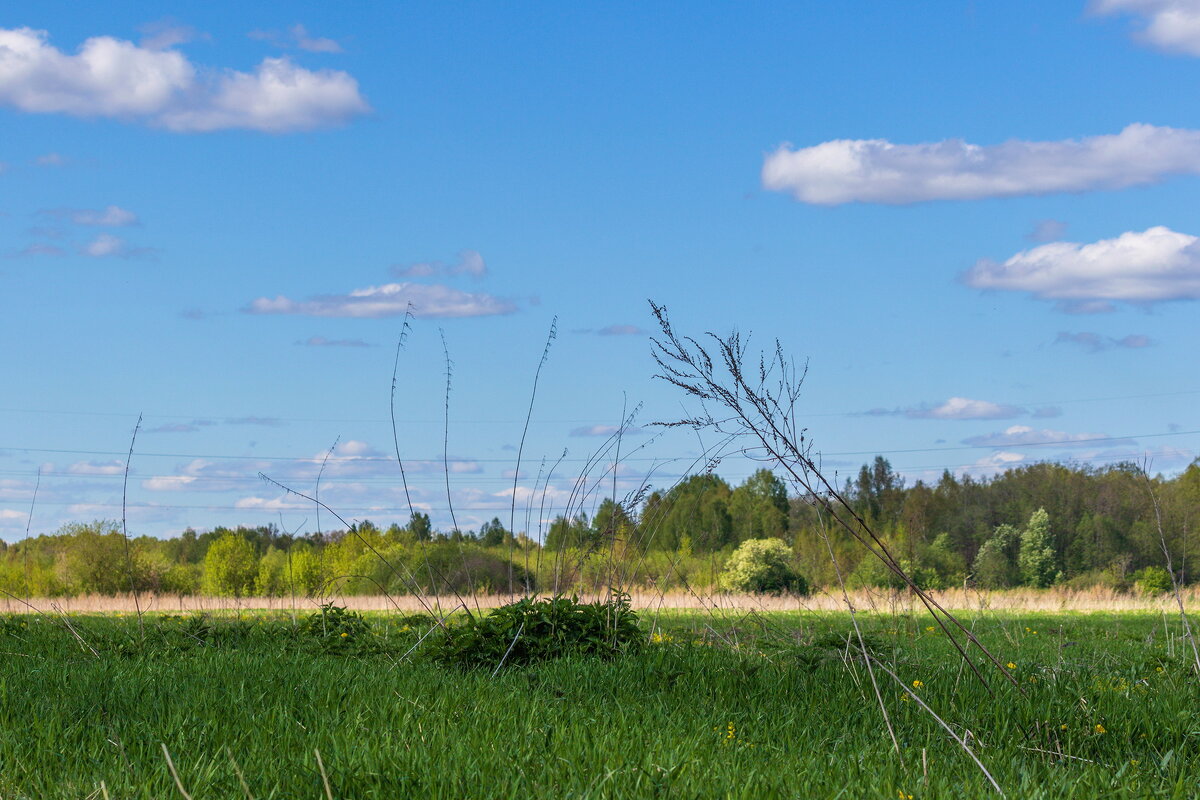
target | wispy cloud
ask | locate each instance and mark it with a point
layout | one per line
(39, 249)
(113, 467)
(469, 262)
(1155, 265)
(1095, 343)
(621, 330)
(321, 341)
(106, 245)
(166, 33)
(266, 422)
(1172, 26)
(878, 171)
(51, 160)
(958, 408)
(115, 78)
(605, 430)
(1047, 230)
(297, 36)
(389, 300)
(108, 217)
(1025, 436)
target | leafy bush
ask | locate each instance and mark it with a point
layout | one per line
(762, 565)
(529, 630)
(1153, 580)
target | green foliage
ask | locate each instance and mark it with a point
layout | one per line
(1153, 580)
(1036, 560)
(762, 565)
(230, 567)
(530, 631)
(995, 565)
(336, 628)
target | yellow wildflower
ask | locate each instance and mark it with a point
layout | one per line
(1011, 665)
(344, 635)
(1100, 728)
(918, 684)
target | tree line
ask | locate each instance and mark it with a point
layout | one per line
(1036, 525)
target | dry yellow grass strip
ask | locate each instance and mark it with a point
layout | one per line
(1097, 600)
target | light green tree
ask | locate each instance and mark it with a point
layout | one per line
(230, 566)
(1036, 559)
(762, 565)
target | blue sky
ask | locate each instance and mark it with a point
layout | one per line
(976, 220)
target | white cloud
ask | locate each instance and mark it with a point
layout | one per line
(97, 468)
(105, 245)
(389, 300)
(51, 160)
(284, 503)
(1001, 459)
(878, 171)
(110, 217)
(111, 77)
(168, 483)
(1095, 343)
(1169, 25)
(1025, 436)
(1154, 265)
(604, 430)
(470, 262)
(965, 408)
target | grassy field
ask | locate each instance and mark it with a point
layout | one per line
(729, 704)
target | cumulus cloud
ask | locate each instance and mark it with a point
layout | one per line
(115, 78)
(469, 262)
(878, 171)
(1095, 343)
(1155, 265)
(1025, 436)
(321, 341)
(389, 300)
(1169, 25)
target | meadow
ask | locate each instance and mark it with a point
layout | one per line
(717, 703)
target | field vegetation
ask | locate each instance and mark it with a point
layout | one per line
(703, 704)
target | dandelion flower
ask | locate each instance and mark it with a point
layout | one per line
(344, 635)
(918, 684)
(1011, 665)
(1100, 728)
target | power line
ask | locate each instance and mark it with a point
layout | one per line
(1075, 442)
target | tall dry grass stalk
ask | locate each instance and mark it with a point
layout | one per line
(886, 602)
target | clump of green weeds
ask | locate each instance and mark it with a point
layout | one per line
(336, 628)
(532, 630)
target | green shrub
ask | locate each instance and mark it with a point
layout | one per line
(336, 629)
(762, 565)
(1152, 580)
(528, 631)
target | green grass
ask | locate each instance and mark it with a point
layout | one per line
(770, 708)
